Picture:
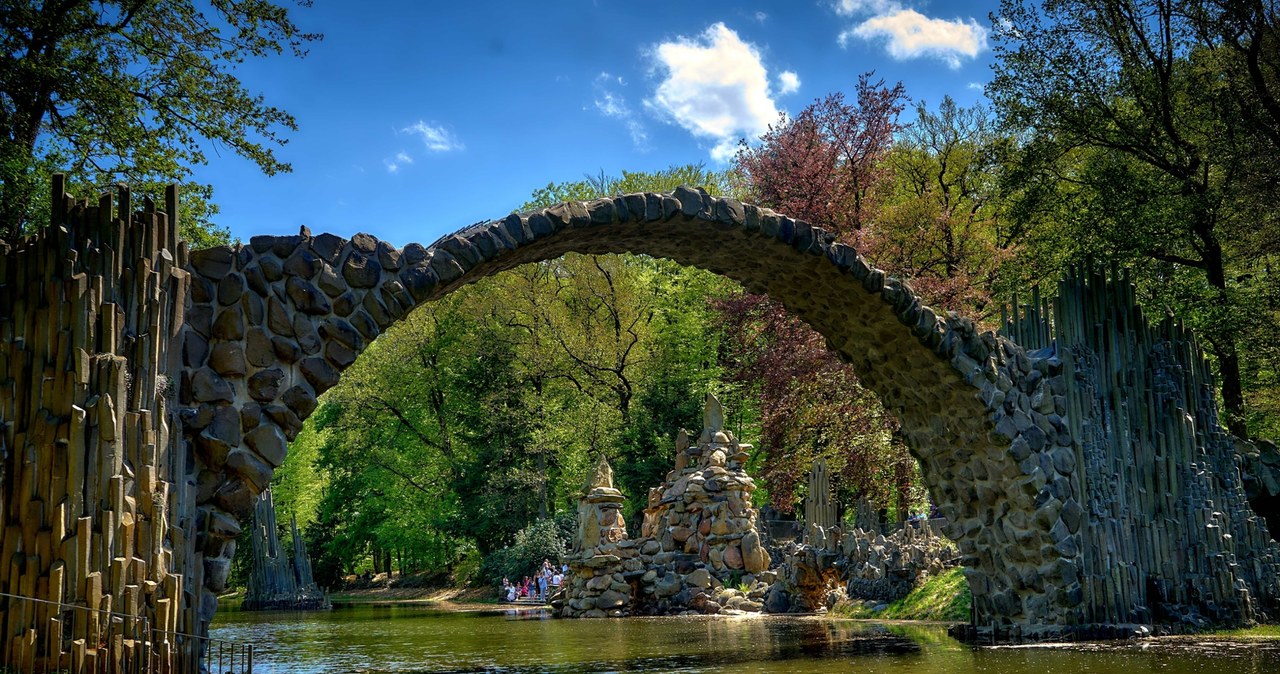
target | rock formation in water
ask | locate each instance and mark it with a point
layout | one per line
(858, 565)
(699, 550)
(279, 581)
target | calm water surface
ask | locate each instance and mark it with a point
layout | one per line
(413, 639)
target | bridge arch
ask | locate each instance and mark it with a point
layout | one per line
(271, 325)
(1087, 479)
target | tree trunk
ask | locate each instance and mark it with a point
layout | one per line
(1225, 349)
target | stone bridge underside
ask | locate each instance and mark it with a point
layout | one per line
(1086, 481)
(272, 325)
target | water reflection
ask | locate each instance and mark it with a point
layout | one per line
(410, 639)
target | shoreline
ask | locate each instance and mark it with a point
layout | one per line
(462, 600)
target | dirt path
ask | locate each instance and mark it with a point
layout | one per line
(447, 598)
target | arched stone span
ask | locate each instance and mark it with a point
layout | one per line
(271, 326)
(121, 490)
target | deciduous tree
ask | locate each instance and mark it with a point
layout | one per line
(132, 90)
(1156, 121)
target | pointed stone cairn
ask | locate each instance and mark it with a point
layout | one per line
(699, 527)
(602, 553)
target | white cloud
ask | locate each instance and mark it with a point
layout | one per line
(788, 83)
(909, 34)
(724, 150)
(715, 86)
(612, 104)
(436, 138)
(402, 158)
(974, 86)
(864, 7)
(761, 17)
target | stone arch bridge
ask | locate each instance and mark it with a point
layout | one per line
(148, 393)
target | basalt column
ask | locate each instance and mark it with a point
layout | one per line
(98, 510)
(280, 580)
(1154, 526)
(819, 511)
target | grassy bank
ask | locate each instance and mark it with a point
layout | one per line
(942, 598)
(1256, 632)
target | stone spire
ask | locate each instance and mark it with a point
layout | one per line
(600, 520)
(712, 414)
(601, 551)
(601, 477)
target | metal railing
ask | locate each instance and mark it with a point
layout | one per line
(82, 640)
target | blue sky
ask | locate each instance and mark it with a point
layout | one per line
(418, 118)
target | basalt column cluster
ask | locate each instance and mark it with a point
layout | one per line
(98, 508)
(280, 579)
(1115, 425)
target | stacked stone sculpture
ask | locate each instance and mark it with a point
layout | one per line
(597, 585)
(698, 540)
(280, 581)
(704, 506)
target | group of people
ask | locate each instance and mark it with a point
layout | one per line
(539, 586)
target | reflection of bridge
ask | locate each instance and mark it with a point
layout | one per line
(147, 395)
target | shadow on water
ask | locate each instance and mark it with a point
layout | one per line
(783, 640)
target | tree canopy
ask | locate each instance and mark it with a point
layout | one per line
(133, 91)
(1151, 128)
(1139, 132)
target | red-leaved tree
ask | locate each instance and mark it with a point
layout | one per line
(821, 166)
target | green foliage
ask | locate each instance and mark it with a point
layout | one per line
(468, 567)
(1149, 137)
(482, 413)
(1267, 632)
(544, 539)
(602, 185)
(941, 223)
(130, 91)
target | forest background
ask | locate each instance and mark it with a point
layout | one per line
(1144, 134)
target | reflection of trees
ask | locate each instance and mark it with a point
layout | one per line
(696, 643)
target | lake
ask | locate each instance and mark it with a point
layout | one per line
(418, 639)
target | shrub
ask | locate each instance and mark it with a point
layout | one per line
(544, 539)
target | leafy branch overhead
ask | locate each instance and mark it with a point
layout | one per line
(134, 91)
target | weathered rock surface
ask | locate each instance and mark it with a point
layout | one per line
(597, 585)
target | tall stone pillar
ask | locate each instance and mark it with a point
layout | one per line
(819, 511)
(602, 553)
